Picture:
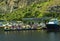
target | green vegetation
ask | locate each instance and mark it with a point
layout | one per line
(49, 8)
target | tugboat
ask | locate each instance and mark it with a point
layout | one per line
(53, 25)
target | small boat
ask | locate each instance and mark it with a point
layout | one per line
(6, 28)
(53, 24)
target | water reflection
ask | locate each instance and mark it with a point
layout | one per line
(31, 35)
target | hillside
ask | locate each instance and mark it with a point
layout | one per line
(18, 9)
(10, 5)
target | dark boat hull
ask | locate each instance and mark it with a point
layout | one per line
(52, 27)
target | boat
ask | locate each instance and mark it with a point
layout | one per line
(53, 25)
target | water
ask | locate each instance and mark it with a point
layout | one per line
(37, 35)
